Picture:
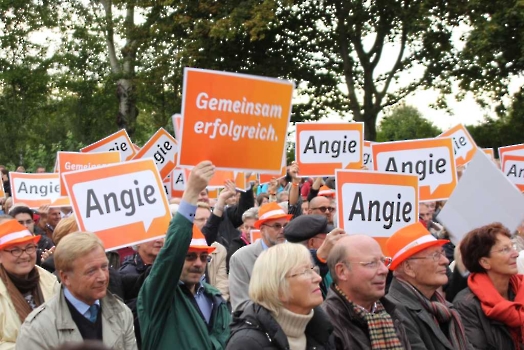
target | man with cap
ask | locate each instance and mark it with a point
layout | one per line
(419, 268)
(271, 222)
(23, 285)
(176, 308)
(311, 231)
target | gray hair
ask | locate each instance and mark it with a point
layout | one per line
(251, 213)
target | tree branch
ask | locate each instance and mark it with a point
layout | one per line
(110, 40)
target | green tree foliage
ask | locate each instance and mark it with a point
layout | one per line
(405, 123)
(494, 47)
(503, 131)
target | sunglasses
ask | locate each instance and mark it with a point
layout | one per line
(323, 209)
(205, 258)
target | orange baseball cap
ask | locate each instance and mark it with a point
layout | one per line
(271, 211)
(199, 243)
(12, 232)
(408, 241)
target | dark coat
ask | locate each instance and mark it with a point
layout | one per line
(255, 329)
(422, 330)
(483, 333)
(350, 332)
(223, 229)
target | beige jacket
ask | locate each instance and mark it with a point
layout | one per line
(217, 270)
(9, 320)
(51, 325)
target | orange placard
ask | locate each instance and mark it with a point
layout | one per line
(513, 168)
(514, 150)
(464, 146)
(321, 148)
(119, 141)
(35, 190)
(221, 176)
(2, 192)
(163, 148)
(124, 204)
(376, 204)
(71, 161)
(177, 125)
(213, 194)
(490, 152)
(167, 186)
(431, 159)
(137, 148)
(227, 113)
(266, 178)
(255, 235)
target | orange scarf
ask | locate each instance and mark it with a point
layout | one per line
(495, 307)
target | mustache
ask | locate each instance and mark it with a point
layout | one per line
(196, 270)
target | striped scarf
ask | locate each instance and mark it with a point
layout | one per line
(382, 333)
(441, 314)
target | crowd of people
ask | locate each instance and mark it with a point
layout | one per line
(305, 284)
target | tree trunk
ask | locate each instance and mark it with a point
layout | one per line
(127, 110)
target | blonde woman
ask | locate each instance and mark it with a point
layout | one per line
(284, 312)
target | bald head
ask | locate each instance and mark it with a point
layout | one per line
(354, 247)
(322, 206)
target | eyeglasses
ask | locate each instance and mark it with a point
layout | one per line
(205, 258)
(435, 256)
(506, 250)
(18, 252)
(323, 209)
(374, 264)
(277, 226)
(310, 272)
(25, 222)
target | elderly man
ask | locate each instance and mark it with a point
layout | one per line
(83, 310)
(144, 257)
(419, 265)
(309, 230)
(355, 303)
(176, 309)
(271, 221)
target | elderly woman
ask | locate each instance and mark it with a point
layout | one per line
(285, 312)
(23, 285)
(491, 306)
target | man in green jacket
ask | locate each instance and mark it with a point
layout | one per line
(176, 309)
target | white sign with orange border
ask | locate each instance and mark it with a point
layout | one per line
(119, 141)
(178, 182)
(71, 161)
(376, 204)
(367, 155)
(226, 113)
(463, 144)
(163, 148)
(35, 190)
(513, 168)
(323, 147)
(514, 150)
(2, 192)
(431, 160)
(124, 204)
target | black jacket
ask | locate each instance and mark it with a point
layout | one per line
(223, 229)
(482, 332)
(255, 329)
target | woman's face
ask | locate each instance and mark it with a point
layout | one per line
(304, 289)
(502, 258)
(22, 264)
